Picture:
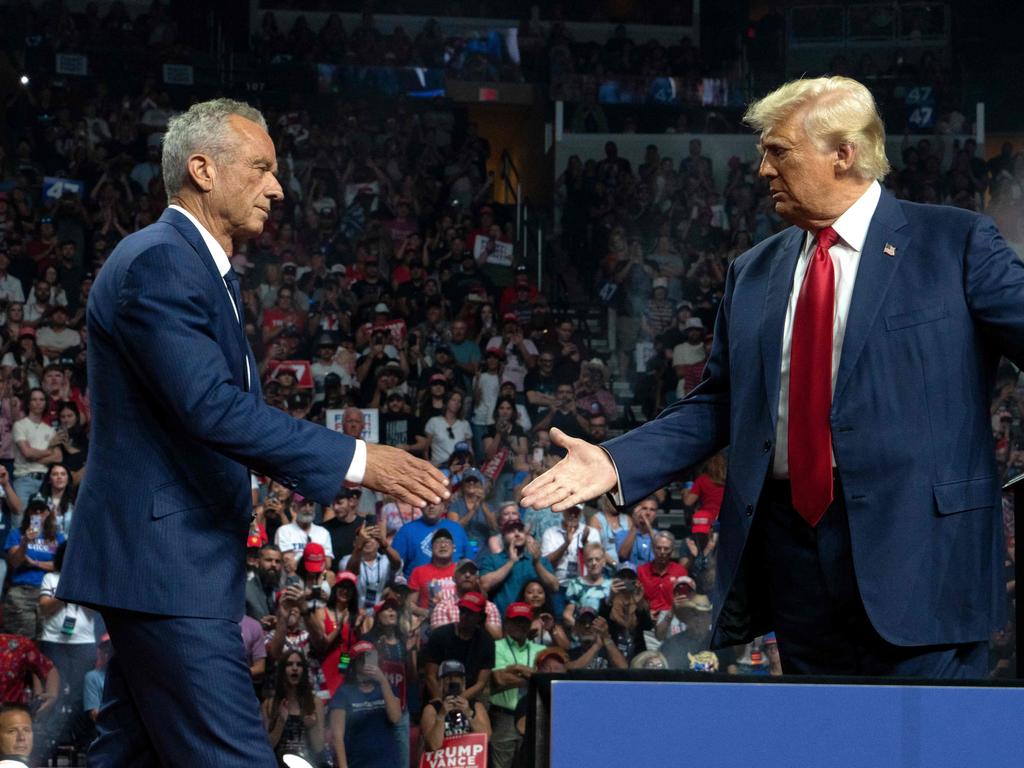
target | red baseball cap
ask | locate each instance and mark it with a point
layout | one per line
(519, 611)
(701, 524)
(361, 648)
(314, 558)
(510, 317)
(473, 601)
(346, 576)
(388, 602)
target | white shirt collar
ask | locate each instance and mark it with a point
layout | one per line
(220, 258)
(852, 226)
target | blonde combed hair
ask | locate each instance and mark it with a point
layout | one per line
(839, 110)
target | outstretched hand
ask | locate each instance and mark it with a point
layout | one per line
(583, 474)
(399, 474)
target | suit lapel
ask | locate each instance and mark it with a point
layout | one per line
(780, 282)
(884, 247)
(187, 230)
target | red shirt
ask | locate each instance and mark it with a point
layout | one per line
(429, 578)
(658, 587)
(19, 658)
(709, 495)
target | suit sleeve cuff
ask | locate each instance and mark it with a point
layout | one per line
(357, 468)
(616, 493)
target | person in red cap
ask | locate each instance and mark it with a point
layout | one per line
(396, 660)
(514, 658)
(464, 641)
(362, 713)
(467, 579)
(518, 297)
(335, 628)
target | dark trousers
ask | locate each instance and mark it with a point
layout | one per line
(178, 692)
(817, 611)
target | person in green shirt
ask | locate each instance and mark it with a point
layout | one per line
(514, 658)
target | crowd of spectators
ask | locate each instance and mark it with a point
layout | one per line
(387, 298)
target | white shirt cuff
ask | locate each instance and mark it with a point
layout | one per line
(357, 468)
(615, 493)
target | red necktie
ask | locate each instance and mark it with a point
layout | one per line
(810, 386)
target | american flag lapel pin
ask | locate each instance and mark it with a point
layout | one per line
(889, 250)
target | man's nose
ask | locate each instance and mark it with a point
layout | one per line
(765, 169)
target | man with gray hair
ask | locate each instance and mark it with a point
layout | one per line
(161, 520)
(861, 518)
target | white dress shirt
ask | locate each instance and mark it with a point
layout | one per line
(357, 467)
(852, 228)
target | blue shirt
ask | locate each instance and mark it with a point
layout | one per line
(642, 552)
(522, 572)
(93, 694)
(369, 740)
(412, 542)
(42, 551)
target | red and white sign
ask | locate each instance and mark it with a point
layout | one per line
(300, 369)
(468, 751)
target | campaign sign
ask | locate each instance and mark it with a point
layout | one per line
(492, 251)
(302, 370)
(335, 419)
(54, 187)
(467, 751)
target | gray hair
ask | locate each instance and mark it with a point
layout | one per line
(664, 534)
(203, 128)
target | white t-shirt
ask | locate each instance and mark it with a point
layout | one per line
(442, 442)
(515, 367)
(47, 337)
(568, 567)
(38, 436)
(83, 632)
(489, 385)
(291, 538)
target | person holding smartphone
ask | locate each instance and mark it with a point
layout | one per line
(452, 714)
(362, 712)
(30, 552)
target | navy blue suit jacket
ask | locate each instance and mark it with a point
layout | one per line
(911, 430)
(162, 515)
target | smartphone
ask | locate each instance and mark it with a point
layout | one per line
(372, 659)
(293, 581)
(453, 689)
(520, 549)
(538, 455)
(36, 524)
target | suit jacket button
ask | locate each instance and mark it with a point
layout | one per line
(767, 446)
(750, 510)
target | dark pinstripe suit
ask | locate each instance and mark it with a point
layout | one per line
(158, 540)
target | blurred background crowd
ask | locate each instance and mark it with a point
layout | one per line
(419, 287)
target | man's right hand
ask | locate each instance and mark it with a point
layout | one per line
(406, 478)
(583, 474)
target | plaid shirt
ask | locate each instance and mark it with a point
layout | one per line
(447, 612)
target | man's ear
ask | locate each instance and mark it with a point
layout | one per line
(202, 172)
(846, 154)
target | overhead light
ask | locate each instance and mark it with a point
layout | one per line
(24, 79)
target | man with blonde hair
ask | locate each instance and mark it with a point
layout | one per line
(861, 518)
